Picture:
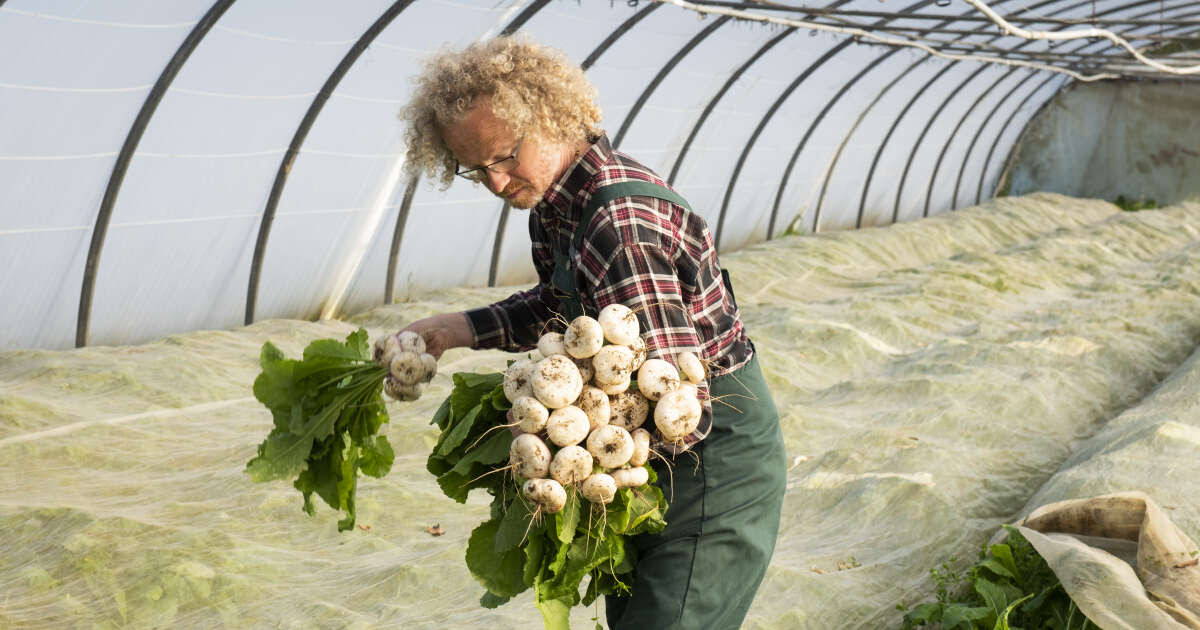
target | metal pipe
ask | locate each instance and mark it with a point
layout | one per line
(289, 158)
(389, 288)
(149, 106)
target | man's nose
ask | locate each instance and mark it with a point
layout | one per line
(496, 181)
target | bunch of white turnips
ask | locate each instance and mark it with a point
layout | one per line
(409, 366)
(578, 396)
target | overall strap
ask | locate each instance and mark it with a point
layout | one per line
(563, 278)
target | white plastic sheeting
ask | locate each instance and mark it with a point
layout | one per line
(804, 130)
(931, 376)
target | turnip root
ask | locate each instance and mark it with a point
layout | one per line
(620, 324)
(411, 342)
(610, 445)
(556, 381)
(594, 402)
(613, 364)
(568, 425)
(529, 456)
(630, 477)
(641, 447)
(599, 488)
(396, 391)
(639, 352)
(518, 379)
(430, 363)
(691, 388)
(690, 366)
(407, 368)
(656, 378)
(547, 494)
(586, 371)
(629, 409)
(572, 464)
(551, 344)
(676, 415)
(386, 348)
(529, 414)
(613, 389)
(584, 337)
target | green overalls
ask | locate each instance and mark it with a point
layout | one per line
(724, 495)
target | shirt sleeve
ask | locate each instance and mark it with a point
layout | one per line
(515, 323)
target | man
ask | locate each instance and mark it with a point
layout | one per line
(521, 120)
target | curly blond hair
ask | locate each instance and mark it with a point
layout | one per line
(533, 88)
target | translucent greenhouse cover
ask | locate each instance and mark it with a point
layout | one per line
(765, 129)
(935, 378)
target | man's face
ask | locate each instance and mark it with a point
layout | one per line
(481, 138)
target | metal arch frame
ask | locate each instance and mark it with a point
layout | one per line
(979, 132)
(787, 92)
(799, 148)
(132, 139)
(389, 290)
(942, 106)
(505, 208)
(1016, 110)
(293, 150)
(712, 103)
(519, 21)
(837, 155)
(896, 123)
(1000, 134)
(662, 74)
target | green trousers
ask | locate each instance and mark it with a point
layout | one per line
(703, 570)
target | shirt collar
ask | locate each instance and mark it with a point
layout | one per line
(562, 195)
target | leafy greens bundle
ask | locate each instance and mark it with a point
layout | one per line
(517, 548)
(327, 409)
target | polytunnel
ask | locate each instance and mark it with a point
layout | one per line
(915, 200)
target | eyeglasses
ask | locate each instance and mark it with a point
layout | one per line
(499, 166)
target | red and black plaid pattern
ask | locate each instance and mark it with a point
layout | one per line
(649, 254)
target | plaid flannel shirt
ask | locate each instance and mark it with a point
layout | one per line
(649, 254)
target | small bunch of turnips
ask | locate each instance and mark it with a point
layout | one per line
(581, 416)
(409, 366)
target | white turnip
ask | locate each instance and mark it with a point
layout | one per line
(430, 363)
(567, 425)
(639, 352)
(518, 379)
(586, 371)
(613, 364)
(547, 494)
(529, 414)
(656, 378)
(397, 391)
(599, 488)
(407, 368)
(641, 447)
(529, 456)
(630, 477)
(676, 415)
(556, 381)
(572, 464)
(551, 344)
(594, 402)
(411, 342)
(620, 324)
(613, 389)
(583, 337)
(610, 445)
(629, 409)
(386, 348)
(690, 366)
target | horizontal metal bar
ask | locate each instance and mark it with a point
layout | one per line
(943, 16)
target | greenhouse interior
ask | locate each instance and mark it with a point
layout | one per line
(964, 237)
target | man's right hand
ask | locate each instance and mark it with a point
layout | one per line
(442, 332)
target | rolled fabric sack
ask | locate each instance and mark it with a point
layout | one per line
(1164, 561)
